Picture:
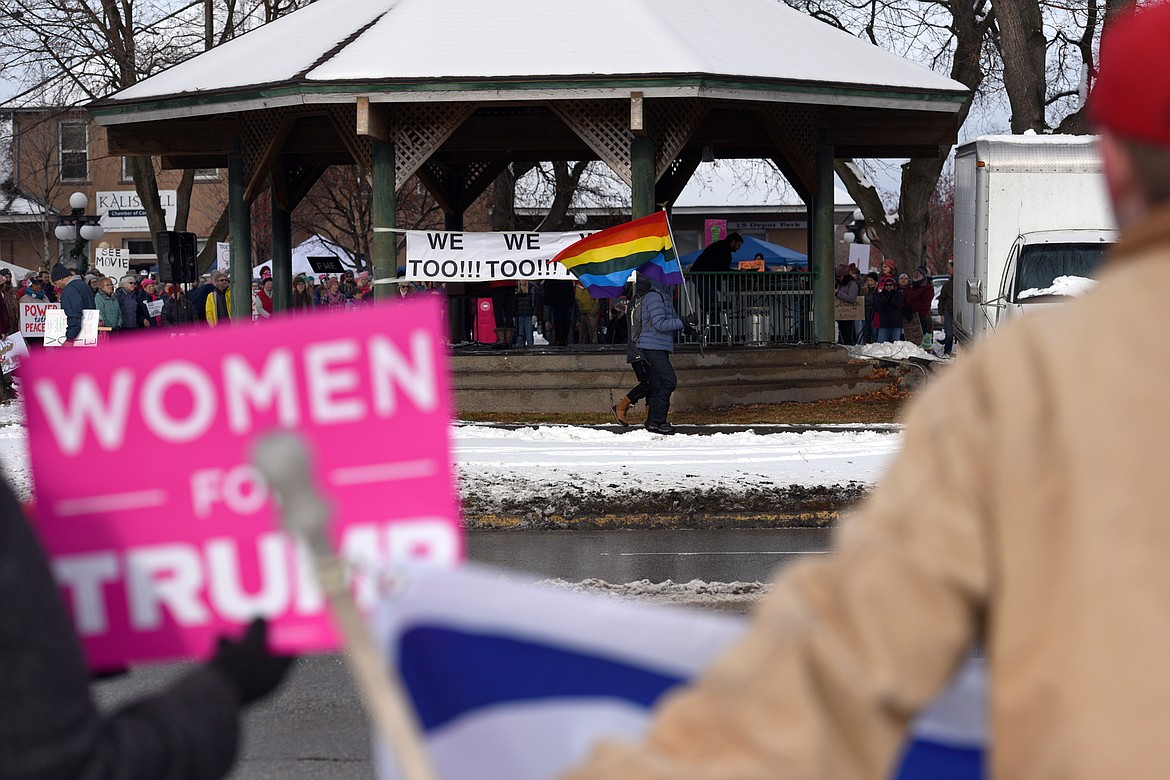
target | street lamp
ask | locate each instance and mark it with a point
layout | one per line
(855, 231)
(78, 227)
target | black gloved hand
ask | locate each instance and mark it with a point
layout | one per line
(691, 319)
(690, 330)
(248, 664)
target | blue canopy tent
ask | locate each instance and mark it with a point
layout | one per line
(774, 254)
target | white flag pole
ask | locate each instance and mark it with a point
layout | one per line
(686, 292)
(283, 460)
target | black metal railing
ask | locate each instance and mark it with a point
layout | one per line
(749, 307)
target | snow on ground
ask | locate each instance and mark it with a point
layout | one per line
(502, 470)
(14, 450)
(551, 469)
(548, 469)
(898, 350)
(738, 596)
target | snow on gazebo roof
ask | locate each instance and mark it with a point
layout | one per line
(497, 49)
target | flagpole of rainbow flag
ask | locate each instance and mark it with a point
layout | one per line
(686, 291)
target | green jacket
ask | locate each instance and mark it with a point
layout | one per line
(109, 311)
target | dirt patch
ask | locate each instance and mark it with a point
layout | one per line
(882, 406)
(575, 508)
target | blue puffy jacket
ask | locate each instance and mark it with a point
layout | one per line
(659, 321)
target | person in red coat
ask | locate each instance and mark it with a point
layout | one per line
(919, 295)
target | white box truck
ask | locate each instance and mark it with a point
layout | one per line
(1032, 220)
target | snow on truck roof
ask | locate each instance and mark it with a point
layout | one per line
(385, 42)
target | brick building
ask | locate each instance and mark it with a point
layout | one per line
(46, 154)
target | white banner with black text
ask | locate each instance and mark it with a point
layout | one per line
(456, 256)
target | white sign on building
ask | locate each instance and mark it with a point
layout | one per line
(121, 211)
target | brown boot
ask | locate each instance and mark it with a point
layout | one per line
(619, 411)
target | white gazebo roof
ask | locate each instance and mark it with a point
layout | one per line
(397, 49)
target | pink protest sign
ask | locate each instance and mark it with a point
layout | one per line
(161, 533)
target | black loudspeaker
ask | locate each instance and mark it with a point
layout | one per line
(176, 257)
(188, 253)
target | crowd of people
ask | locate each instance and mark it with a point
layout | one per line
(137, 301)
(561, 311)
(890, 306)
(874, 307)
(336, 292)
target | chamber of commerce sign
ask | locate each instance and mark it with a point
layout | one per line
(121, 211)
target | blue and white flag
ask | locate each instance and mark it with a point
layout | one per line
(514, 681)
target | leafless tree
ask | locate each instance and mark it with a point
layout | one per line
(69, 52)
(556, 187)
(1048, 51)
(338, 207)
(1038, 54)
(947, 35)
(940, 233)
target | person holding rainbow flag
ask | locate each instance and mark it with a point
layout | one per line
(603, 263)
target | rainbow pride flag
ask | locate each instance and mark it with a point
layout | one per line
(603, 261)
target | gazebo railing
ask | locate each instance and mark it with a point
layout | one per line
(750, 307)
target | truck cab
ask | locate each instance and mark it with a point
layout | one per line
(1042, 268)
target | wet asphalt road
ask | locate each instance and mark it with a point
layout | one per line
(628, 556)
(314, 727)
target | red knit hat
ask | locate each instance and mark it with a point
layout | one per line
(1132, 93)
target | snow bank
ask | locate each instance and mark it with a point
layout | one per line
(723, 595)
(898, 350)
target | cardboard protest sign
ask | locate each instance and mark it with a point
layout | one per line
(223, 256)
(177, 540)
(56, 323)
(13, 350)
(32, 318)
(88, 335)
(112, 262)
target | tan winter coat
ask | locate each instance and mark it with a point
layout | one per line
(1027, 511)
